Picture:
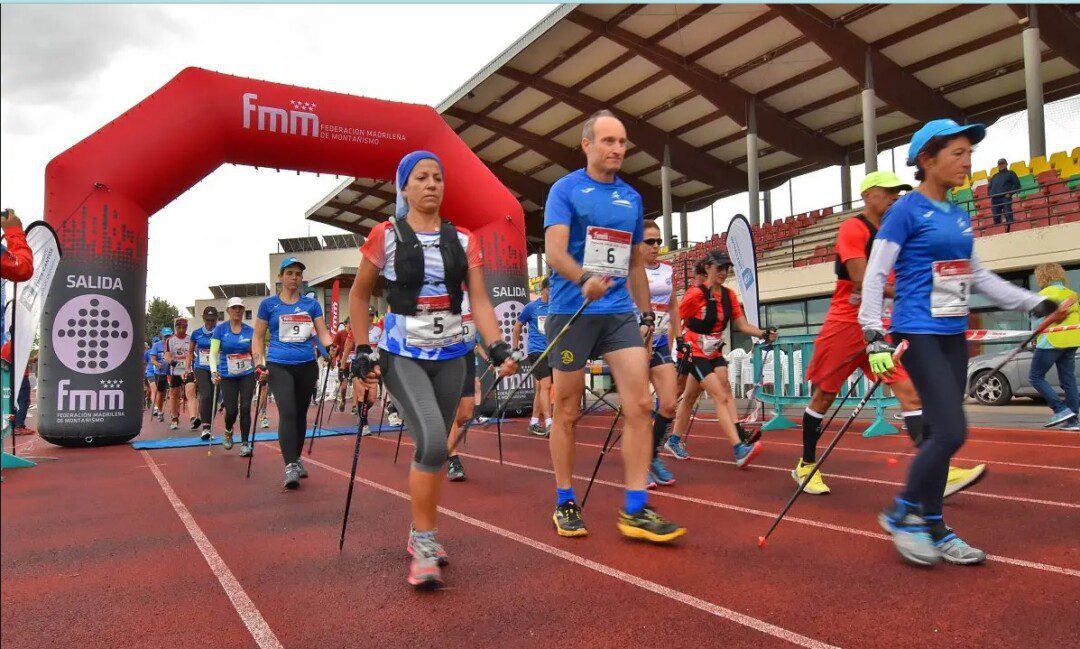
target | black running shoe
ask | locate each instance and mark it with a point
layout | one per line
(567, 519)
(195, 423)
(454, 471)
(649, 526)
(748, 435)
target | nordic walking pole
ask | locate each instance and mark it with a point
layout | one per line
(835, 440)
(603, 451)
(213, 411)
(319, 412)
(254, 427)
(1047, 322)
(361, 421)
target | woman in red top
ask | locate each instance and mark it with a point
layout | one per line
(707, 310)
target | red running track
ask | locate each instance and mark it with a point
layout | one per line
(113, 547)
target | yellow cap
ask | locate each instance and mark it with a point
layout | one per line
(886, 179)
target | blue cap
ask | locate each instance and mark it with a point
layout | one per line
(937, 128)
(291, 261)
(405, 168)
(166, 331)
(156, 339)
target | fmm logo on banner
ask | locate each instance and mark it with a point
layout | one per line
(87, 400)
(279, 120)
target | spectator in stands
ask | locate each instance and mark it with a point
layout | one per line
(1057, 349)
(1002, 187)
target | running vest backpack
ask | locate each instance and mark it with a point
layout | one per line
(705, 325)
(402, 293)
(839, 267)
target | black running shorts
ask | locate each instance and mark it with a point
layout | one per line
(544, 370)
(591, 336)
(703, 367)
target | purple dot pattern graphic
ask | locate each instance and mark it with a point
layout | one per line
(92, 334)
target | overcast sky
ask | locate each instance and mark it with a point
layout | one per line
(67, 70)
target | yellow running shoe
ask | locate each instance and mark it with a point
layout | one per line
(960, 479)
(816, 486)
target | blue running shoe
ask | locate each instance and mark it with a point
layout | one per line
(746, 452)
(1059, 417)
(909, 534)
(659, 473)
(676, 447)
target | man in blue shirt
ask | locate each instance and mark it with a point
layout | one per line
(593, 231)
(534, 316)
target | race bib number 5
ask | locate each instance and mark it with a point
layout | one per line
(607, 251)
(295, 327)
(951, 289)
(434, 325)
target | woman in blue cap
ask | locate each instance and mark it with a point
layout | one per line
(427, 264)
(291, 319)
(930, 242)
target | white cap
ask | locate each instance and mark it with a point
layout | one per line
(234, 301)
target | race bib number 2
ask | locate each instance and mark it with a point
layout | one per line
(295, 327)
(951, 289)
(607, 251)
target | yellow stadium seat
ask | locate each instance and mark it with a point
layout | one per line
(978, 178)
(1039, 165)
(1020, 168)
(1059, 160)
(966, 185)
(1076, 155)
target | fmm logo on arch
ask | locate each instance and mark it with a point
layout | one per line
(280, 120)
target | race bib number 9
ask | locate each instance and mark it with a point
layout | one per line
(238, 363)
(607, 251)
(204, 357)
(951, 289)
(295, 328)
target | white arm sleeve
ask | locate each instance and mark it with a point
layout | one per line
(1002, 293)
(882, 259)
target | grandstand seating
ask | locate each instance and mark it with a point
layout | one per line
(1049, 195)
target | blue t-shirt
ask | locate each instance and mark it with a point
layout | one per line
(201, 338)
(158, 350)
(578, 201)
(150, 370)
(927, 232)
(236, 345)
(535, 315)
(290, 328)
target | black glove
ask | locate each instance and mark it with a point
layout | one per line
(498, 352)
(770, 335)
(363, 362)
(682, 347)
(1044, 308)
(647, 319)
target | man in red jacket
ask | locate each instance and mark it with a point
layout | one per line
(16, 265)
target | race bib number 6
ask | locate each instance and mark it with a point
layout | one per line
(295, 328)
(607, 251)
(951, 289)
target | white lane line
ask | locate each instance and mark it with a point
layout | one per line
(771, 515)
(757, 465)
(249, 614)
(651, 586)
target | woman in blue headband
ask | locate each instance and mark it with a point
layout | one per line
(930, 242)
(427, 264)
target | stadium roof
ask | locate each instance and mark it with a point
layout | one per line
(682, 76)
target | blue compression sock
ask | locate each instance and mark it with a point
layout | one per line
(564, 496)
(635, 501)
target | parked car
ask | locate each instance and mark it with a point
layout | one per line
(1011, 381)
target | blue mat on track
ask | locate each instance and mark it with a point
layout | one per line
(268, 436)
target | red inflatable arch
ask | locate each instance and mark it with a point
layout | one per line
(100, 193)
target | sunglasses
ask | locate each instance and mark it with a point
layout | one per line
(653, 242)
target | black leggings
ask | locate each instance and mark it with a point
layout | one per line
(427, 394)
(292, 386)
(938, 368)
(205, 387)
(236, 393)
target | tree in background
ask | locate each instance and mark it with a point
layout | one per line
(159, 313)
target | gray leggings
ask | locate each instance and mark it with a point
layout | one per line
(426, 394)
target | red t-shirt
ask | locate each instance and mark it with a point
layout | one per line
(693, 305)
(851, 243)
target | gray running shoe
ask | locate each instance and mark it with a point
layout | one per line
(227, 441)
(303, 469)
(953, 549)
(454, 471)
(245, 450)
(292, 476)
(536, 429)
(909, 535)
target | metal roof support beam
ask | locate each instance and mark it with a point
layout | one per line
(898, 88)
(766, 204)
(1033, 87)
(752, 161)
(1058, 27)
(665, 194)
(685, 158)
(845, 183)
(725, 95)
(869, 115)
(684, 235)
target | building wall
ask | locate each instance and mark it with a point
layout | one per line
(251, 306)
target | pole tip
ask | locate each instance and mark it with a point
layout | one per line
(761, 542)
(892, 461)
